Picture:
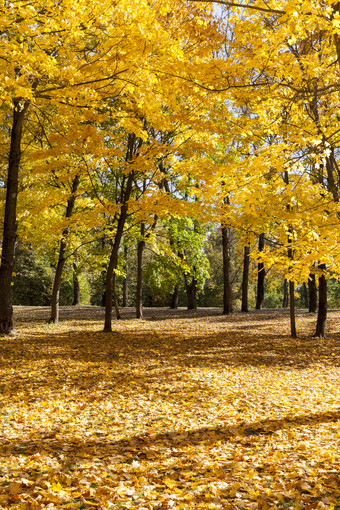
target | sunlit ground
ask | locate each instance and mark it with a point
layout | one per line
(180, 410)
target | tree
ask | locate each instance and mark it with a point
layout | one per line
(9, 233)
(245, 279)
(61, 258)
(260, 275)
(54, 60)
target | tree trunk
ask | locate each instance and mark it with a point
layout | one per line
(227, 292)
(292, 309)
(103, 300)
(54, 318)
(313, 294)
(285, 300)
(260, 277)
(125, 281)
(322, 309)
(76, 286)
(245, 279)
(114, 254)
(291, 282)
(174, 298)
(115, 297)
(9, 231)
(139, 291)
(133, 144)
(304, 295)
(112, 266)
(191, 293)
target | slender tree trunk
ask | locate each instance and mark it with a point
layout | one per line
(125, 281)
(291, 282)
(139, 291)
(76, 286)
(103, 301)
(260, 277)
(304, 295)
(126, 193)
(245, 279)
(322, 309)
(115, 297)
(292, 294)
(174, 298)
(9, 231)
(227, 292)
(54, 318)
(292, 309)
(285, 300)
(191, 293)
(125, 293)
(113, 263)
(313, 294)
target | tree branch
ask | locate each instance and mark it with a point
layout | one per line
(246, 6)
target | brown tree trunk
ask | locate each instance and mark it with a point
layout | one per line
(125, 196)
(227, 292)
(292, 309)
(245, 279)
(260, 277)
(133, 145)
(125, 281)
(174, 298)
(54, 318)
(291, 282)
(304, 295)
(76, 286)
(114, 262)
(191, 293)
(9, 231)
(285, 299)
(115, 297)
(322, 309)
(103, 300)
(313, 294)
(139, 291)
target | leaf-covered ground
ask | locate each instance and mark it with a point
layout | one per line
(176, 411)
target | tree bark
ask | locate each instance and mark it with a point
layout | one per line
(9, 231)
(174, 298)
(227, 292)
(245, 279)
(114, 262)
(115, 297)
(125, 195)
(313, 294)
(285, 300)
(76, 286)
(139, 290)
(191, 293)
(260, 277)
(304, 295)
(125, 281)
(133, 145)
(103, 300)
(54, 318)
(290, 253)
(322, 309)
(292, 309)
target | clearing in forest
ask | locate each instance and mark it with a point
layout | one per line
(180, 410)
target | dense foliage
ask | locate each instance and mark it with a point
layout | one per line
(139, 123)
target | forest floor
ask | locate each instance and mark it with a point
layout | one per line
(181, 410)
